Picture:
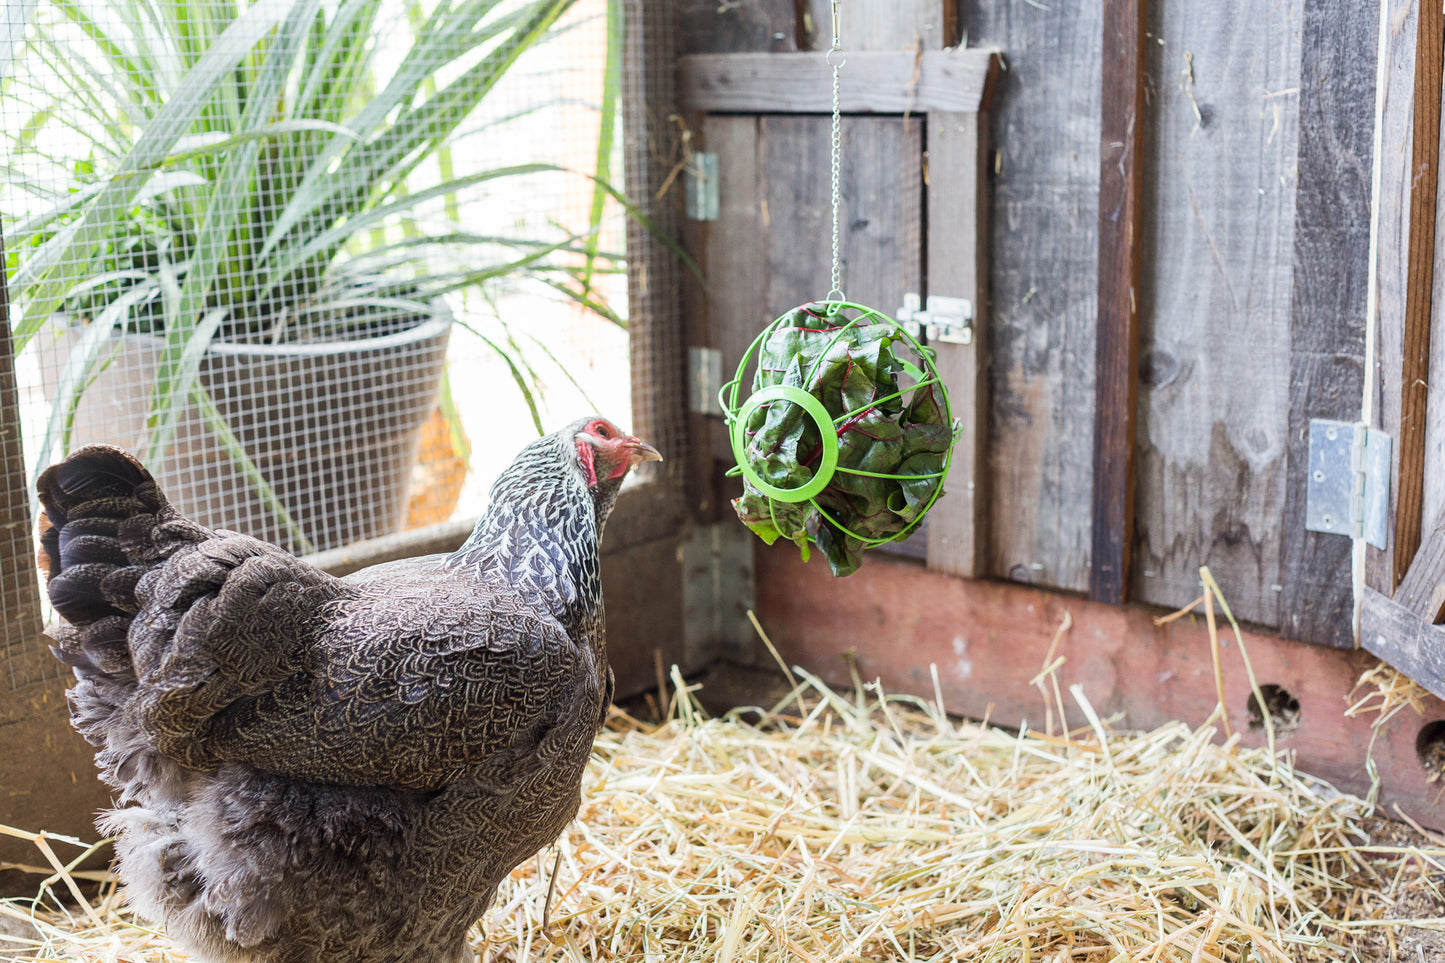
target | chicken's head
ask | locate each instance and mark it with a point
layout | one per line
(605, 453)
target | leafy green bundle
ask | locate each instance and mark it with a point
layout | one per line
(892, 428)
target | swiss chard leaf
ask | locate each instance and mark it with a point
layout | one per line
(893, 437)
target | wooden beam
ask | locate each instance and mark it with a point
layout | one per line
(987, 639)
(1422, 590)
(1404, 230)
(958, 154)
(1419, 284)
(1402, 638)
(1330, 278)
(871, 82)
(1120, 229)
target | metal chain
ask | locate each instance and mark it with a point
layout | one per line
(836, 59)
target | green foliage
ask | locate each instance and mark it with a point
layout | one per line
(892, 428)
(244, 163)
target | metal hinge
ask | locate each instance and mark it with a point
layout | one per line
(949, 320)
(704, 380)
(1348, 489)
(701, 195)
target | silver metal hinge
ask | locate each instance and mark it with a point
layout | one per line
(701, 196)
(947, 320)
(704, 380)
(1348, 489)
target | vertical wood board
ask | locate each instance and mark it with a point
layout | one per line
(1419, 282)
(707, 26)
(1328, 298)
(882, 190)
(881, 24)
(736, 252)
(1433, 503)
(1215, 368)
(957, 266)
(1042, 282)
(1392, 244)
(1122, 124)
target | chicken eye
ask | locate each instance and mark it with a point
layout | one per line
(603, 431)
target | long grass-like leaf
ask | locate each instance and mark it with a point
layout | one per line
(51, 269)
(248, 468)
(328, 193)
(528, 391)
(163, 181)
(607, 127)
(84, 354)
(333, 238)
(176, 377)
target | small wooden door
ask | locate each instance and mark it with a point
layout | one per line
(914, 142)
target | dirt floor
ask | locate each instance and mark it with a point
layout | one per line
(1389, 887)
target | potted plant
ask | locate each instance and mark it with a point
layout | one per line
(238, 263)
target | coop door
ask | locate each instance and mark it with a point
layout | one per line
(912, 210)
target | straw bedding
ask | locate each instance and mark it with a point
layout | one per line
(870, 827)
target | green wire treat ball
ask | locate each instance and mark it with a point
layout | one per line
(846, 438)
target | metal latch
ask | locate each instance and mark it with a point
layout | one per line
(704, 379)
(949, 320)
(701, 194)
(1348, 489)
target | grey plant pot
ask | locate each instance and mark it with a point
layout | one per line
(332, 426)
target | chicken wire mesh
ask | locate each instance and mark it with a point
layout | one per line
(238, 235)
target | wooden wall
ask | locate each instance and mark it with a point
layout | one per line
(1254, 200)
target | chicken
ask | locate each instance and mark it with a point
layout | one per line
(311, 768)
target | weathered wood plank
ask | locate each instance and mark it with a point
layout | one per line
(1117, 350)
(1214, 415)
(1433, 503)
(882, 189)
(1392, 212)
(959, 79)
(735, 257)
(1422, 590)
(1419, 283)
(1043, 283)
(1404, 639)
(1327, 299)
(957, 187)
(706, 26)
(881, 25)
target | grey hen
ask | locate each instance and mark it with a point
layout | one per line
(320, 769)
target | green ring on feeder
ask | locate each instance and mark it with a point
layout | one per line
(820, 417)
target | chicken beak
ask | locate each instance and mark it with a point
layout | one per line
(639, 451)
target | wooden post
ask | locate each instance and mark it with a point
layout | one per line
(957, 253)
(1120, 229)
(1330, 278)
(1419, 283)
(1408, 158)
